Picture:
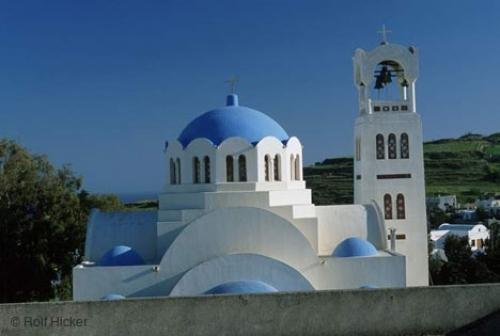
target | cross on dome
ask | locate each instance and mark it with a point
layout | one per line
(384, 33)
(232, 83)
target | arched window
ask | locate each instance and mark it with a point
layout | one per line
(400, 207)
(178, 169)
(267, 168)
(297, 168)
(206, 165)
(242, 168)
(292, 167)
(405, 146)
(229, 168)
(196, 170)
(387, 206)
(172, 172)
(391, 142)
(380, 146)
(277, 167)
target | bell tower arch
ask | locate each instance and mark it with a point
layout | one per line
(388, 160)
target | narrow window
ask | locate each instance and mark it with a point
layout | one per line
(400, 206)
(267, 167)
(405, 146)
(297, 168)
(277, 167)
(387, 206)
(172, 172)
(391, 142)
(292, 167)
(229, 169)
(178, 169)
(242, 168)
(358, 149)
(380, 146)
(206, 164)
(196, 170)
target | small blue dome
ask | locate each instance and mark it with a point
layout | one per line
(354, 247)
(113, 297)
(241, 287)
(232, 121)
(121, 256)
(368, 287)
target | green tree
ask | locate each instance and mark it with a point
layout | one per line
(43, 214)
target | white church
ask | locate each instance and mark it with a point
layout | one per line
(235, 215)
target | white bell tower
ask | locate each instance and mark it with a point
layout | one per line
(388, 158)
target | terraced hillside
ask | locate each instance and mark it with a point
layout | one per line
(467, 166)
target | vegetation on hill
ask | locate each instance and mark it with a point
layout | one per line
(468, 167)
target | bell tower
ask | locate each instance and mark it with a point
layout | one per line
(388, 158)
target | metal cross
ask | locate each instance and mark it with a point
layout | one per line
(384, 32)
(232, 83)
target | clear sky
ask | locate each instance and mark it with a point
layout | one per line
(102, 84)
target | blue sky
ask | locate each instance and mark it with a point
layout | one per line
(102, 84)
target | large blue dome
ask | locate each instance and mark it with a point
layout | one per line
(121, 255)
(354, 247)
(232, 121)
(241, 287)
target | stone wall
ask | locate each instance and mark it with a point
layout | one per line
(410, 311)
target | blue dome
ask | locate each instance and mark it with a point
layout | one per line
(368, 287)
(113, 297)
(121, 256)
(240, 287)
(354, 247)
(232, 121)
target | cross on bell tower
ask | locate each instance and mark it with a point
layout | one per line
(384, 33)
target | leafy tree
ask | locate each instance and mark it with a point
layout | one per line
(436, 217)
(482, 215)
(43, 213)
(462, 267)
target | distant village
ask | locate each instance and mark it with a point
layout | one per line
(473, 220)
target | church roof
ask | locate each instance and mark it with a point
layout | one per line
(232, 120)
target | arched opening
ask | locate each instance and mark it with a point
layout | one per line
(400, 207)
(391, 142)
(178, 169)
(172, 172)
(277, 167)
(405, 146)
(229, 168)
(292, 167)
(242, 168)
(267, 168)
(196, 170)
(387, 206)
(390, 82)
(380, 147)
(298, 168)
(206, 165)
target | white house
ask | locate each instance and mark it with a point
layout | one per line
(443, 202)
(476, 234)
(235, 215)
(491, 205)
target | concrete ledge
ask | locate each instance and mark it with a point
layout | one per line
(410, 311)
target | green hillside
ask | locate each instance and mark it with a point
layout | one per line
(468, 167)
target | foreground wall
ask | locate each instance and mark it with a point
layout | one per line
(410, 311)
